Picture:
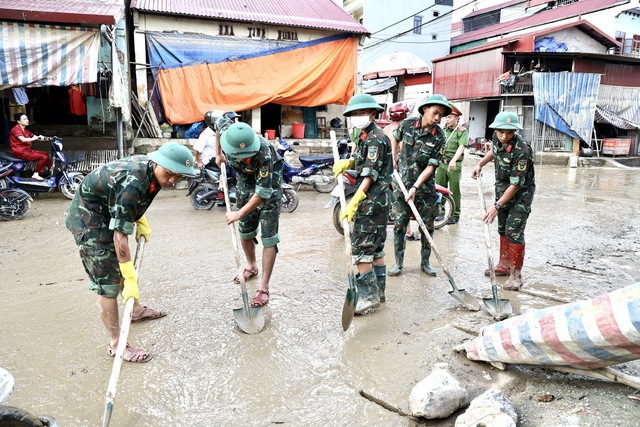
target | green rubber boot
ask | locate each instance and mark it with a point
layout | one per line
(399, 243)
(425, 253)
(381, 275)
(368, 297)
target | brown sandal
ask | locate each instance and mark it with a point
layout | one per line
(148, 314)
(132, 354)
(261, 298)
(247, 274)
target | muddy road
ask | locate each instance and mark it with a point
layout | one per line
(302, 370)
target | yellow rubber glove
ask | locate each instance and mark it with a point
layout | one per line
(342, 165)
(352, 207)
(142, 228)
(128, 271)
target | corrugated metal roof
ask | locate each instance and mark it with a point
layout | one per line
(544, 17)
(318, 14)
(85, 12)
(495, 7)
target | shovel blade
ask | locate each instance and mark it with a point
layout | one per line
(500, 309)
(350, 301)
(251, 321)
(466, 299)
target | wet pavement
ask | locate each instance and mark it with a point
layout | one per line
(302, 369)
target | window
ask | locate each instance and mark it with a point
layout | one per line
(417, 24)
(225, 30)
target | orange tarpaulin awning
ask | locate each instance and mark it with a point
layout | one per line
(316, 73)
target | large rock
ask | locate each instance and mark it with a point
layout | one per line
(490, 409)
(438, 395)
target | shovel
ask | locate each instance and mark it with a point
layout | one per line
(498, 308)
(350, 301)
(122, 342)
(249, 319)
(462, 296)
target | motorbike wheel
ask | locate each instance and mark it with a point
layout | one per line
(15, 205)
(336, 217)
(202, 204)
(330, 183)
(446, 207)
(289, 200)
(69, 188)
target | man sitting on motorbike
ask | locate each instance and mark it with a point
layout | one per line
(204, 149)
(259, 198)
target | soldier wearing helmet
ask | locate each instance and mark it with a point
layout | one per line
(259, 197)
(204, 149)
(109, 206)
(422, 141)
(398, 112)
(369, 207)
(515, 185)
(449, 171)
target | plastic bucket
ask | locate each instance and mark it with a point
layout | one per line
(271, 134)
(298, 130)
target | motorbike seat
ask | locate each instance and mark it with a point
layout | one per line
(316, 159)
(10, 157)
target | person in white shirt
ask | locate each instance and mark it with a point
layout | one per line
(204, 149)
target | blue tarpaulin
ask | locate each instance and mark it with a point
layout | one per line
(567, 102)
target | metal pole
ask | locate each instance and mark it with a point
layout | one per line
(118, 112)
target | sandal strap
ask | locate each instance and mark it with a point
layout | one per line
(260, 291)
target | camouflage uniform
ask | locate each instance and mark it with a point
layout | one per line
(514, 165)
(454, 139)
(419, 150)
(112, 197)
(372, 159)
(260, 174)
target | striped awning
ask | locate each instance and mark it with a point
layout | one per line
(34, 55)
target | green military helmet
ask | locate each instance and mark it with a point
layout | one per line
(240, 141)
(435, 99)
(362, 101)
(175, 158)
(506, 120)
(210, 117)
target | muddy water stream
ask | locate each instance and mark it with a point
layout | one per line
(302, 370)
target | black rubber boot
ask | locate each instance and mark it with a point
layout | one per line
(425, 252)
(399, 243)
(368, 297)
(381, 275)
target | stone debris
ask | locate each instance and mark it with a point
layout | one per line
(490, 409)
(438, 395)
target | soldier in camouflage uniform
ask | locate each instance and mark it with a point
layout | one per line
(259, 195)
(369, 207)
(108, 206)
(422, 144)
(515, 186)
(449, 171)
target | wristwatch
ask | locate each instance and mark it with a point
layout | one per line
(497, 206)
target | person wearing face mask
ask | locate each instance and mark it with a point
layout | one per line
(110, 205)
(515, 185)
(369, 207)
(422, 144)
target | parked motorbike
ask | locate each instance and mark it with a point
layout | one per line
(205, 193)
(63, 179)
(12, 416)
(445, 204)
(204, 189)
(14, 203)
(315, 171)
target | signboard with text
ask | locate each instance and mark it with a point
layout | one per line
(616, 146)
